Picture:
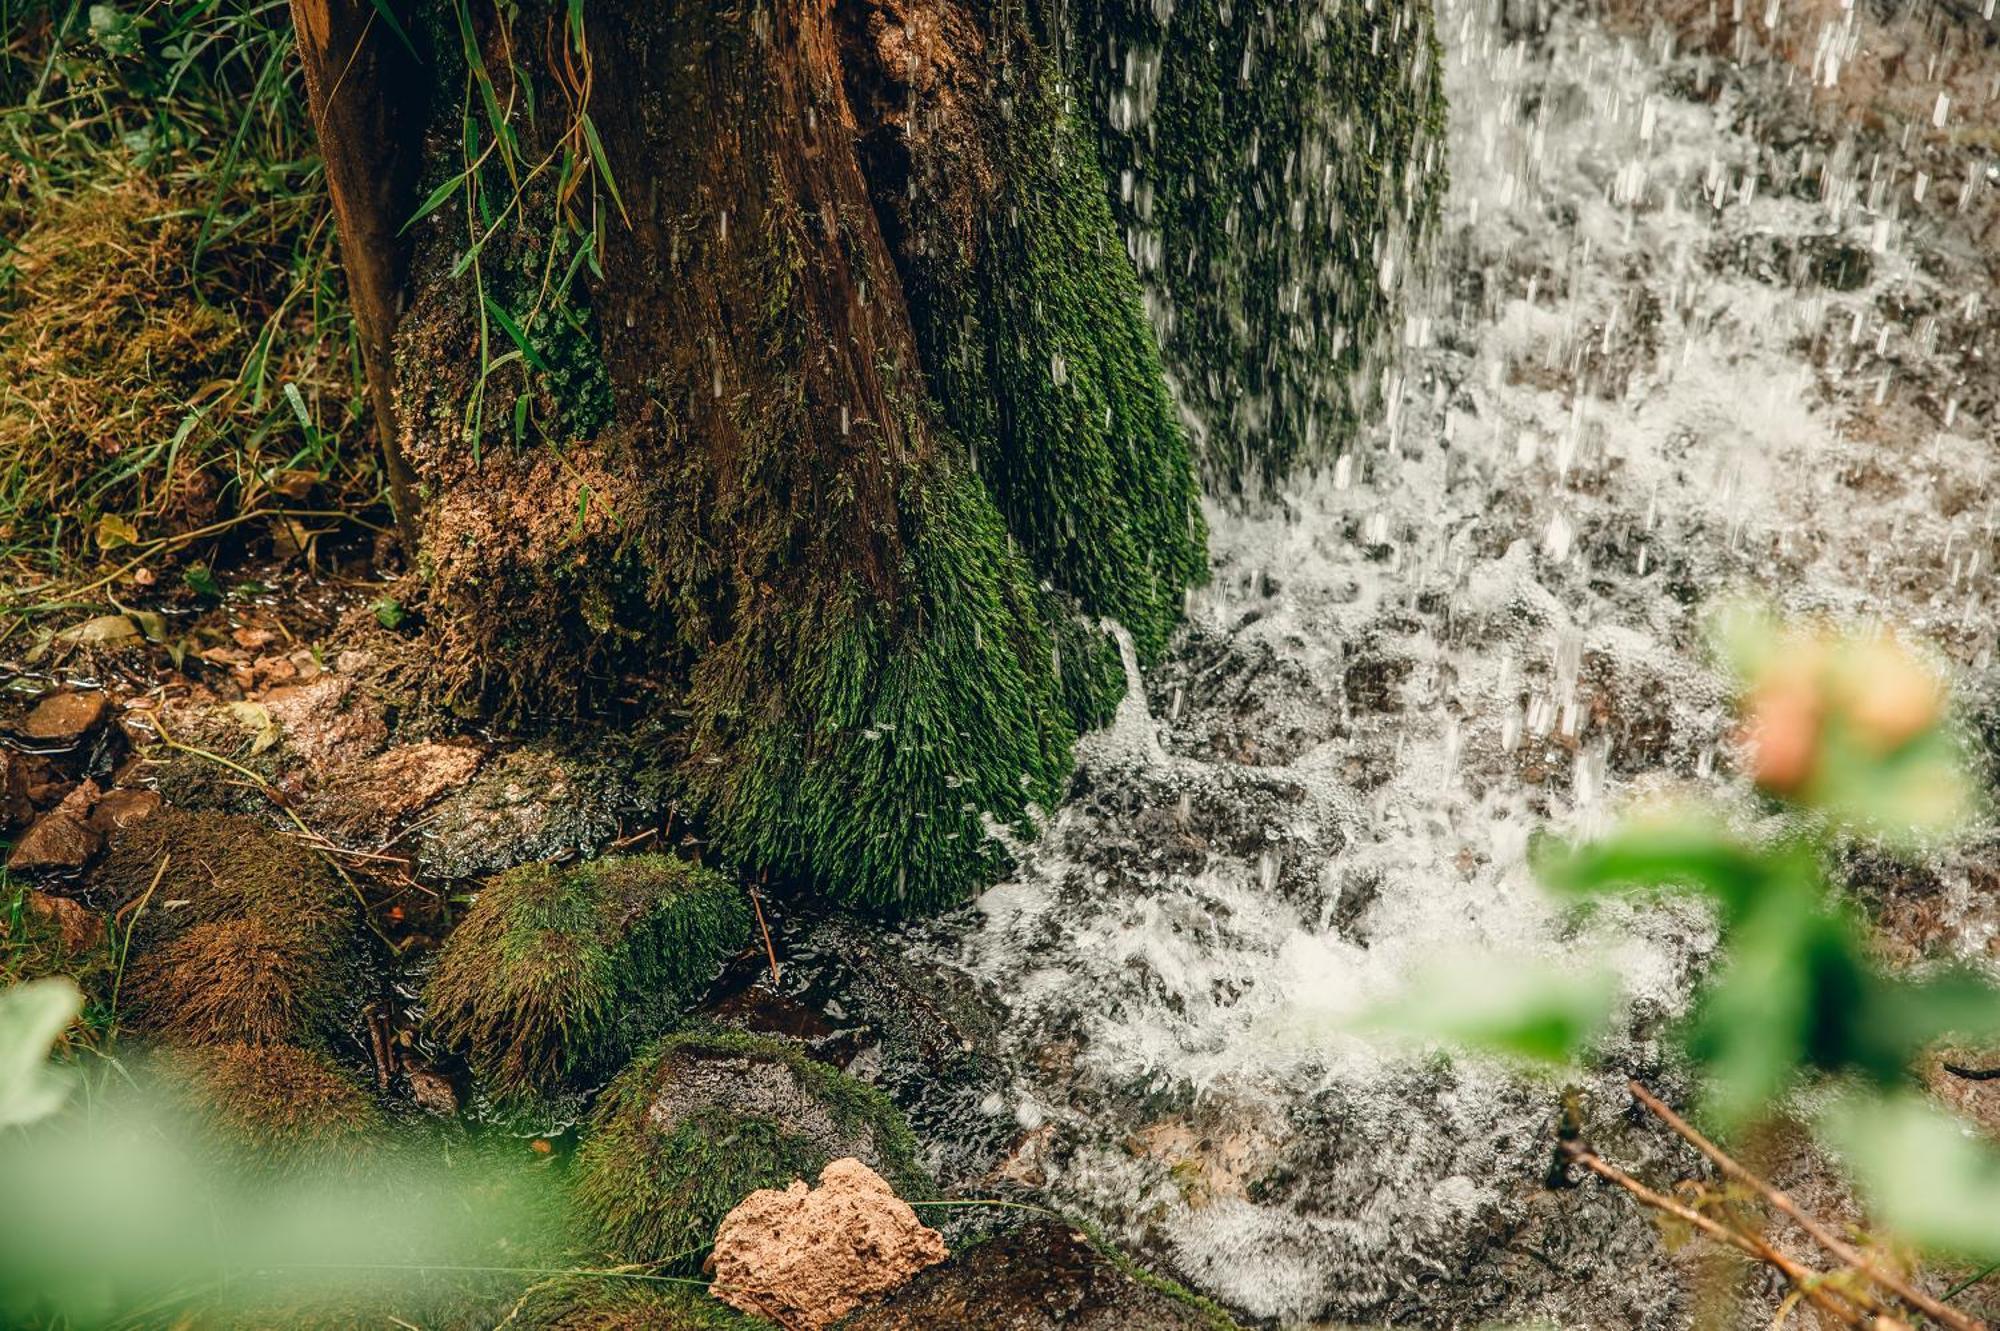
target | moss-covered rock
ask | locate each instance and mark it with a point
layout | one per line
(276, 1105)
(1046, 1275)
(238, 934)
(702, 1120)
(558, 971)
(1276, 170)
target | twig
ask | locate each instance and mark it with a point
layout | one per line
(1973, 1074)
(1805, 1279)
(1848, 1254)
(769, 951)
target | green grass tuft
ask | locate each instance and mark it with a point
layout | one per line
(175, 344)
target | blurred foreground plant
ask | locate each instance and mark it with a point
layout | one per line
(1846, 735)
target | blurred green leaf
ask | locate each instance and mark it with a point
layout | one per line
(389, 612)
(1683, 849)
(198, 577)
(33, 1017)
(1542, 1012)
(1926, 1176)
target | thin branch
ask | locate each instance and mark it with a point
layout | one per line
(1847, 1253)
(1806, 1280)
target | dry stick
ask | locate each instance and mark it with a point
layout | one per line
(1804, 1278)
(769, 951)
(1848, 1254)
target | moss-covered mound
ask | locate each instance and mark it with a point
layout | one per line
(702, 1120)
(1277, 168)
(278, 1105)
(238, 935)
(558, 971)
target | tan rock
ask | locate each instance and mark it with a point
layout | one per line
(120, 809)
(63, 718)
(78, 928)
(16, 808)
(370, 796)
(806, 1257)
(62, 838)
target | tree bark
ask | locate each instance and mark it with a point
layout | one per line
(776, 373)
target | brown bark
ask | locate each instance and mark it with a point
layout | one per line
(366, 91)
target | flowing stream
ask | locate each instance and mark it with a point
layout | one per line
(1702, 316)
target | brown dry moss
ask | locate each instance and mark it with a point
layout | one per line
(288, 1107)
(238, 934)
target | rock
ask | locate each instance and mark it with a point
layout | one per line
(62, 838)
(532, 803)
(16, 807)
(1044, 1276)
(806, 1257)
(370, 797)
(78, 928)
(119, 809)
(705, 1118)
(328, 723)
(432, 1092)
(63, 718)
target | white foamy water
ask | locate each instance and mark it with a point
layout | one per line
(1632, 385)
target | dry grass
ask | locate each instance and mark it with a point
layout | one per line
(175, 346)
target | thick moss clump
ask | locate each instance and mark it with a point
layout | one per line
(559, 971)
(1278, 168)
(238, 935)
(285, 1107)
(1040, 353)
(704, 1119)
(856, 746)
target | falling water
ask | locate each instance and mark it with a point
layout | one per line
(1701, 317)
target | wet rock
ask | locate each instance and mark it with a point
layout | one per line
(806, 1257)
(432, 1092)
(369, 798)
(530, 804)
(63, 718)
(62, 838)
(1044, 1276)
(77, 928)
(119, 809)
(860, 996)
(16, 808)
(329, 722)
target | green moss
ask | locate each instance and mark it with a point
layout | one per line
(1290, 155)
(855, 746)
(702, 1120)
(1091, 674)
(1042, 358)
(559, 971)
(238, 935)
(611, 1304)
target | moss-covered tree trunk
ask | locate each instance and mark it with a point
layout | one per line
(777, 369)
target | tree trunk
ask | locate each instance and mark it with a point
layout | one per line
(776, 371)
